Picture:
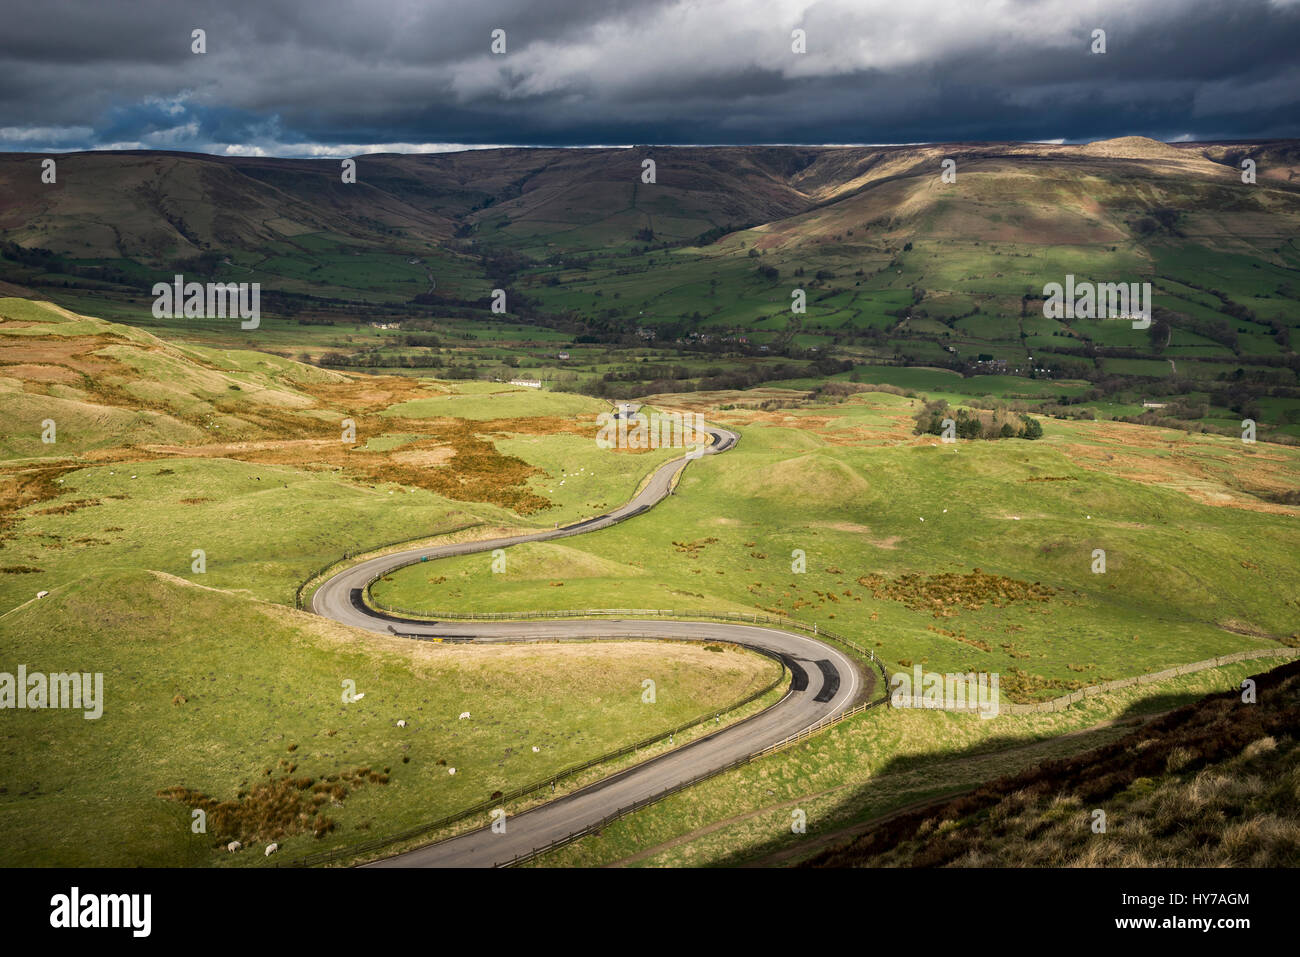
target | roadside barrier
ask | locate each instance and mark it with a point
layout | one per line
(754, 618)
(665, 613)
(354, 552)
(668, 792)
(356, 850)
(1057, 704)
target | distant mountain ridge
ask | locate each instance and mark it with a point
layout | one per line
(156, 207)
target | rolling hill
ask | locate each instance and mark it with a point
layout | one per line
(898, 266)
(1211, 784)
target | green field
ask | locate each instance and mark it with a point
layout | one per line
(691, 279)
(203, 475)
(109, 520)
(1178, 573)
(867, 767)
(211, 691)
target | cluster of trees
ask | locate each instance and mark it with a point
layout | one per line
(422, 342)
(972, 424)
(1216, 330)
(45, 260)
(378, 360)
(711, 236)
(1162, 219)
(202, 264)
(618, 385)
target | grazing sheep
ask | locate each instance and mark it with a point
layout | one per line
(536, 749)
(41, 594)
(402, 723)
(234, 846)
(451, 770)
(463, 716)
(271, 849)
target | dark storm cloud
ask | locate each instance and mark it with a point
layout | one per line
(329, 77)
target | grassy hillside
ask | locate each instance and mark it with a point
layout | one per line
(161, 450)
(690, 278)
(976, 556)
(866, 770)
(179, 436)
(209, 695)
(1212, 784)
(151, 207)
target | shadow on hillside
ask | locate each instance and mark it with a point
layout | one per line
(849, 812)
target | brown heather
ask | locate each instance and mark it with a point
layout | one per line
(276, 809)
(945, 594)
(1212, 784)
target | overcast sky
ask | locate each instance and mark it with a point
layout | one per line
(329, 78)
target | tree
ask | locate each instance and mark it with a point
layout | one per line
(1160, 331)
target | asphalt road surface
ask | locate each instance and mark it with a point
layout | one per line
(825, 683)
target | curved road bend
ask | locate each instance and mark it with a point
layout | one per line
(825, 683)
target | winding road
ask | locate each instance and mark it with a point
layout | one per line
(825, 682)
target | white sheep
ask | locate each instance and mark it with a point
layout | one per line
(41, 594)
(271, 849)
(402, 723)
(463, 716)
(451, 770)
(234, 846)
(536, 749)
